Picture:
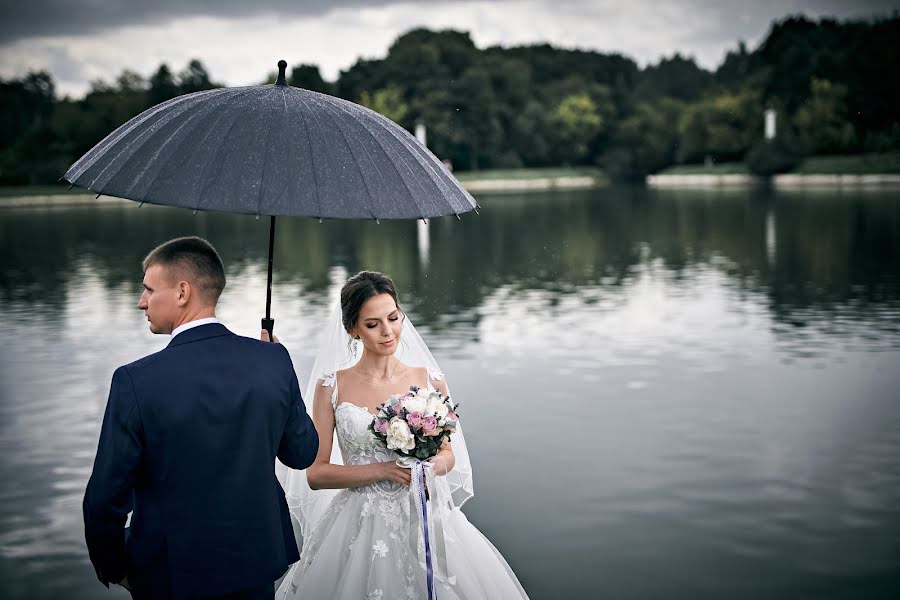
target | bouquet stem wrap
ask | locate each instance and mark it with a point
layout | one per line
(430, 525)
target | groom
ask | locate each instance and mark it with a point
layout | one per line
(189, 441)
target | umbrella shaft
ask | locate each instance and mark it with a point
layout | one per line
(268, 323)
(271, 262)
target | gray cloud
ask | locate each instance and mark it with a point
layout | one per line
(33, 18)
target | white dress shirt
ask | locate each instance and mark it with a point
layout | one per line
(192, 324)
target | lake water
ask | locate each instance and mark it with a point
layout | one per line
(667, 394)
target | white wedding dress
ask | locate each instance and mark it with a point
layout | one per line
(360, 548)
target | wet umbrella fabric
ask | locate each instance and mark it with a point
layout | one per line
(272, 150)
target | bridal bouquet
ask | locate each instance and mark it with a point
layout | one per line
(416, 423)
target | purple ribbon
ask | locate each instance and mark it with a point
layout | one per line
(423, 502)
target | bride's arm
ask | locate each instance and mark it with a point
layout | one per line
(444, 461)
(322, 474)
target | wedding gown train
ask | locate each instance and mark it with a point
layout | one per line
(360, 548)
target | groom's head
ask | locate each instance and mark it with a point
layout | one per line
(183, 279)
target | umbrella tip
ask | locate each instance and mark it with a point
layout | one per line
(282, 66)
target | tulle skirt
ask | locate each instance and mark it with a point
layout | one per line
(361, 549)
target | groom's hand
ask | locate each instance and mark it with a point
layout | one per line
(264, 336)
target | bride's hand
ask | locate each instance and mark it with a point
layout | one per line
(391, 471)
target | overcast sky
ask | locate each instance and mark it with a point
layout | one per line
(240, 41)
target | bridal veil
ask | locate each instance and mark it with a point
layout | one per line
(337, 352)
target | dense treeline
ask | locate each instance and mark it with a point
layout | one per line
(832, 84)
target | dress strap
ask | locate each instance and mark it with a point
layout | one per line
(432, 377)
(330, 380)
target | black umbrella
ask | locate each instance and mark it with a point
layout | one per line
(272, 150)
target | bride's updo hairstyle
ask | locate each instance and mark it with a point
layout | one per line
(360, 288)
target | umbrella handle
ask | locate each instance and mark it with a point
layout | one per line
(269, 325)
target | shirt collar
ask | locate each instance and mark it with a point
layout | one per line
(192, 324)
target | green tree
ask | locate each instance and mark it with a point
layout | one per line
(723, 127)
(388, 102)
(194, 78)
(532, 134)
(644, 142)
(576, 122)
(162, 86)
(822, 122)
(676, 77)
(308, 77)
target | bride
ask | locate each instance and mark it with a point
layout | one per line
(361, 539)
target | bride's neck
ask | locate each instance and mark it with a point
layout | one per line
(378, 367)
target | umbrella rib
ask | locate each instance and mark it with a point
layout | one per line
(402, 158)
(130, 143)
(219, 164)
(112, 139)
(196, 119)
(262, 175)
(356, 162)
(312, 158)
(193, 120)
(423, 159)
(369, 156)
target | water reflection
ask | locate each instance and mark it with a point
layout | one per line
(708, 379)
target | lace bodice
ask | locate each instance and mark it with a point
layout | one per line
(351, 423)
(358, 445)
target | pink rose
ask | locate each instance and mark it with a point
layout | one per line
(414, 420)
(429, 426)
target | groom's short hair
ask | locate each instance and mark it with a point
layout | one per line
(191, 259)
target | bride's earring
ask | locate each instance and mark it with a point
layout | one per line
(356, 343)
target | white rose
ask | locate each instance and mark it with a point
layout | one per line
(437, 407)
(399, 437)
(415, 404)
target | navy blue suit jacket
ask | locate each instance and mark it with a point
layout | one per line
(188, 442)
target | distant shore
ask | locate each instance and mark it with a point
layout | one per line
(489, 181)
(858, 172)
(784, 181)
(851, 171)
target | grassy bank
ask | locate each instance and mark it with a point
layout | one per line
(734, 168)
(862, 164)
(525, 174)
(856, 164)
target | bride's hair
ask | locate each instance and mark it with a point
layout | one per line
(360, 288)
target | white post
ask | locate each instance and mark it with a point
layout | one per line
(420, 133)
(770, 123)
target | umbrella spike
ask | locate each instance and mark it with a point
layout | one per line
(377, 222)
(97, 196)
(195, 211)
(424, 220)
(458, 218)
(320, 220)
(141, 204)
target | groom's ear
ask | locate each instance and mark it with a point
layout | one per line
(184, 293)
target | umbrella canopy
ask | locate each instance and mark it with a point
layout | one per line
(271, 150)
